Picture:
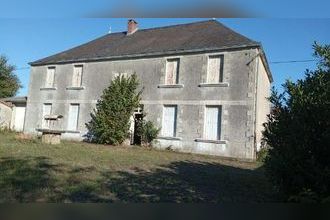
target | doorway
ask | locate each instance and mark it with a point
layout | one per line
(19, 118)
(136, 126)
(138, 118)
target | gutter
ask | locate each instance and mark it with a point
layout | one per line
(256, 108)
(263, 57)
(142, 55)
(265, 62)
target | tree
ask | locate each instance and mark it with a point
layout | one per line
(9, 82)
(111, 120)
(298, 133)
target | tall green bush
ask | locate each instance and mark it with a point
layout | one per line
(111, 120)
(298, 133)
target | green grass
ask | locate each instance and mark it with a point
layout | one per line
(79, 172)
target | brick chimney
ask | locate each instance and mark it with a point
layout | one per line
(132, 27)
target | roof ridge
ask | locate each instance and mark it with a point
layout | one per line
(175, 25)
(162, 27)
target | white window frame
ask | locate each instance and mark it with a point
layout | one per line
(47, 83)
(221, 70)
(44, 123)
(75, 66)
(177, 75)
(164, 134)
(125, 74)
(69, 128)
(219, 126)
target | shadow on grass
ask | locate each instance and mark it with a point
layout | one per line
(190, 182)
(24, 179)
(36, 179)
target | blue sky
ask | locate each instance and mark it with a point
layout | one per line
(79, 8)
(27, 39)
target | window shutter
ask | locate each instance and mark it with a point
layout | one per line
(169, 121)
(46, 110)
(50, 77)
(77, 75)
(171, 71)
(73, 117)
(214, 74)
(212, 123)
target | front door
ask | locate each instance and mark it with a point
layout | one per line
(19, 118)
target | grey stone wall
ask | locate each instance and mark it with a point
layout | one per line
(237, 99)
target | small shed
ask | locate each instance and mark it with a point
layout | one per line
(18, 106)
(5, 114)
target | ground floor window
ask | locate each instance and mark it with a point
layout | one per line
(73, 117)
(212, 123)
(46, 110)
(169, 121)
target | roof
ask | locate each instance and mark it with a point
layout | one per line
(16, 99)
(8, 104)
(198, 36)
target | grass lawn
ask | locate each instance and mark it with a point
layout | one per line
(81, 172)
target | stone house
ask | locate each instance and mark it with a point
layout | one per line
(204, 85)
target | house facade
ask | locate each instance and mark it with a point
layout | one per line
(204, 85)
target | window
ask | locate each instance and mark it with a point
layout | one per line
(77, 75)
(50, 77)
(172, 71)
(115, 75)
(212, 123)
(215, 69)
(46, 110)
(169, 121)
(73, 117)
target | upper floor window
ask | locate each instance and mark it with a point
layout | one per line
(115, 75)
(50, 77)
(215, 69)
(172, 71)
(77, 75)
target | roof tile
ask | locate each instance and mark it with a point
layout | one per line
(209, 34)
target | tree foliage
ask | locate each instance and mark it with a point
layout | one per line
(111, 120)
(148, 131)
(9, 82)
(298, 133)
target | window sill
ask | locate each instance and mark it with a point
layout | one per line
(49, 131)
(224, 84)
(72, 132)
(171, 86)
(75, 88)
(48, 88)
(170, 138)
(211, 141)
